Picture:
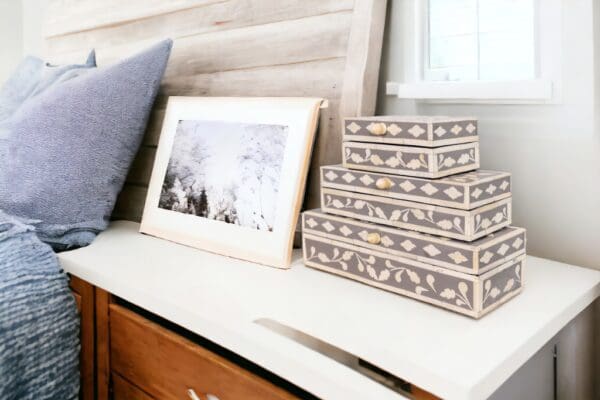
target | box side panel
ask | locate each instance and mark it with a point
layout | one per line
(398, 242)
(376, 269)
(412, 216)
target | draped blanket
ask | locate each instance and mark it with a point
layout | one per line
(39, 325)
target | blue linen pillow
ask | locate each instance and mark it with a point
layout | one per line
(68, 149)
(32, 77)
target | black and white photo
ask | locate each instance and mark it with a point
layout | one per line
(225, 171)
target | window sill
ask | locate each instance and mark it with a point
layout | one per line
(508, 92)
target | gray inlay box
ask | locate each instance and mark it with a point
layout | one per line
(472, 295)
(414, 131)
(465, 191)
(475, 257)
(447, 222)
(421, 162)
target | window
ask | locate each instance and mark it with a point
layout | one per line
(469, 40)
(479, 50)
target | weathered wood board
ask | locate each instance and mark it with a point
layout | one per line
(313, 48)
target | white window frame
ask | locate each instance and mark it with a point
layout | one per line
(545, 88)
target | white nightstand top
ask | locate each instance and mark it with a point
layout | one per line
(219, 298)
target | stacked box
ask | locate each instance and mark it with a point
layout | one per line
(408, 211)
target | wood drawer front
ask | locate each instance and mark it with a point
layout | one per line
(165, 365)
(123, 390)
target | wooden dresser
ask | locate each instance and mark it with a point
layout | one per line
(159, 319)
(130, 354)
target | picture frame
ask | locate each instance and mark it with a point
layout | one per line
(230, 173)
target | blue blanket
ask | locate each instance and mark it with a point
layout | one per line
(39, 326)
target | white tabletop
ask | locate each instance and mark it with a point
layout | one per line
(219, 298)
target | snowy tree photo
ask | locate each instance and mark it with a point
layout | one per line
(225, 171)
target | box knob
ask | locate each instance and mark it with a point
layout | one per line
(374, 238)
(377, 128)
(383, 183)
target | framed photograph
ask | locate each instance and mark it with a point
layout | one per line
(229, 175)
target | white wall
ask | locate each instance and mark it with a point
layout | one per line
(553, 151)
(11, 37)
(20, 32)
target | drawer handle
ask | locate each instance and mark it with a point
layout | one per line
(374, 238)
(377, 128)
(193, 395)
(383, 183)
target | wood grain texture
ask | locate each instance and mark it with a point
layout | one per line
(210, 16)
(123, 390)
(312, 48)
(103, 300)
(176, 364)
(84, 296)
(67, 16)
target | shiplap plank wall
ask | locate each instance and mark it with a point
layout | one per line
(325, 48)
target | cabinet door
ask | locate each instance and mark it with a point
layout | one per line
(84, 296)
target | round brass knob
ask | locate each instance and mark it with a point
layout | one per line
(383, 183)
(377, 128)
(374, 238)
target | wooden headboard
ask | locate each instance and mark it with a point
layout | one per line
(316, 48)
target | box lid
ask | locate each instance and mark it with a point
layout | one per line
(464, 191)
(427, 131)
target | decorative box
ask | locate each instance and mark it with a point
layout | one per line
(476, 257)
(467, 225)
(411, 161)
(414, 131)
(472, 295)
(465, 191)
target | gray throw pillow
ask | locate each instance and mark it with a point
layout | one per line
(32, 77)
(68, 150)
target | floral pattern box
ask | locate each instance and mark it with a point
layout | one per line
(413, 131)
(471, 295)
(467, 225)
(473, 258)
(464, 191)
(410, 160)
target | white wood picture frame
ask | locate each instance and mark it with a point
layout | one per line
(272, 246)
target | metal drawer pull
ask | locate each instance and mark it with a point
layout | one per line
(377, 128)
(193, 395)
(374, 238)
(383, 183)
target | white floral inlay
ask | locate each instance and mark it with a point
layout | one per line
(330, 175)
(476, 193)
(494, 291)
(453, 193)
(457, 257)
(431, 250)
(327, 226)
(344, 230)
(491, 189)
(407, 186)
(311, 222)
(503, 249)
(517, 243)
(386, 241)
(456, 129)
(487, 256)
(394, 129)
(416, 131)
(353, 127)
(429, 189)
(439, 131)
(504, 185)
(407, 245)
(348, 177)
